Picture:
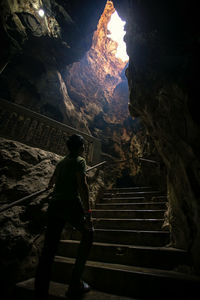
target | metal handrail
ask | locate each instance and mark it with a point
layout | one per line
(41, 191)
(96, 166)
(131, 158)
(23, 199)
(149, 160)
(46, 189)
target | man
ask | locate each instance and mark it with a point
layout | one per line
(70, 203)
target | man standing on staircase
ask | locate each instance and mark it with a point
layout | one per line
(69, 204)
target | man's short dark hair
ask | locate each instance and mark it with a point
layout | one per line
(75, 142)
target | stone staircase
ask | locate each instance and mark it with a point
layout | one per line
(129, 258)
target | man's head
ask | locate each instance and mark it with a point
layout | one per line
(75, 144)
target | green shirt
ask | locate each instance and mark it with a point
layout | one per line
(65, 195)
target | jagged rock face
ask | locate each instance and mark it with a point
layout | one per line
(23, 171)
(39, 48)
(66, 27)
(98, 88)
(92, 81)
(162, 43)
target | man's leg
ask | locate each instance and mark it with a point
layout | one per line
(86, 230)
(43, 273)
(83, 252)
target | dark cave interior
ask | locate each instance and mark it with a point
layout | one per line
(62, 65)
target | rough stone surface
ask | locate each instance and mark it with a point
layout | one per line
(28, 169)
(37, 49)
(97, 84)
(23, 171)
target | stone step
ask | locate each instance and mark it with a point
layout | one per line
(25, 291)
(122, 199)
(128, 237)
(160, 198)
(130, 281)
(130, 214)
(132, 189)
(152, 257)
(132, 206)
(146, 194)
(139, 224)
(132, 199)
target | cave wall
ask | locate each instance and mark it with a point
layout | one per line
(163, 46)
(37, 49)
(23, 170)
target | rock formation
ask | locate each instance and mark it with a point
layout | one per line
(23, 171)
(39, 48)
(98, 87)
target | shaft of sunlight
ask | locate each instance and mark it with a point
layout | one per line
(117, 32)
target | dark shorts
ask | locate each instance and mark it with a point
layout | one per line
(71, 213)
(68, 210)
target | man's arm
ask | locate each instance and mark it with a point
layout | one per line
(52, 179)
(83, 190)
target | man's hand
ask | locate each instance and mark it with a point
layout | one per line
(83, 190)
(52, 180)
(88, 222)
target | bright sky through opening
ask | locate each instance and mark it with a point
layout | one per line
(116, 28)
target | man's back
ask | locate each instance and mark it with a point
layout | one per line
(66, 194)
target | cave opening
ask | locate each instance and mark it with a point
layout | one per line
(117, 33)
(98, 86)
